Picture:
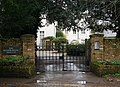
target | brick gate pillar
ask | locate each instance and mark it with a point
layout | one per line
(97, 45)
(29, 45)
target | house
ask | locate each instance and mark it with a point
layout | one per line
(45, 32)
(76, 35)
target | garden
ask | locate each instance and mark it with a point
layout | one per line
(106, 68)
(16, 66)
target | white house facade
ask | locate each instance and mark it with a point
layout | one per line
(71, 35)
(45, 32)
(79, 36)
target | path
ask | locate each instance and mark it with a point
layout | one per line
(60, 79)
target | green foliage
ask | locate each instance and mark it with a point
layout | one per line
(66, 12)
(49, 37)
(108, 62)
(18, 17)
(26, 70)
(77, 50)
(59, 34)
(113, 75)
(115, 62)
(24, 16)
(102, 69)
(60, 40)
(103, 62)
(16, 66)
(106, 11)
(14, 60)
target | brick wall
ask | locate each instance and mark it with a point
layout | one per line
(25, 45)
(111, 48)
(104, 48)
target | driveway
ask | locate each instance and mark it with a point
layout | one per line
(61, 79)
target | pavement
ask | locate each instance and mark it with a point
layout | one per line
(61, 79)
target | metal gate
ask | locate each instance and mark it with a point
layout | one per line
(59, 60)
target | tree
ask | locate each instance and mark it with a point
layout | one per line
(67, 13)
(98, 15)
(59, 33)
(106, 11)
(24, 16)
(19, 17)
(103, 15)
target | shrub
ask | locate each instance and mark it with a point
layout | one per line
(59, 41)
(115, 62)
(59, 34)
(113, 75)
(16, 66)
(109, 62)
(75, 50)
(102, 68)
(14, 60)
(26, 70)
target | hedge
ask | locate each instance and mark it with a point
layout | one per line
(104, 69)
(75, 50)
(27, 70)
(14, 60)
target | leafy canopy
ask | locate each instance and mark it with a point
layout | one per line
(59, 33)
(24, 16)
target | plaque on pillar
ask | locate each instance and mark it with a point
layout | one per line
(11, 50)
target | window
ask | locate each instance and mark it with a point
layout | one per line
(97, 45)
(41, 37)
(41, 33)
(83, 32)
(74, 31)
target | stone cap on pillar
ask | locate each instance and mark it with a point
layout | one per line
(28, 38)
(28, 35)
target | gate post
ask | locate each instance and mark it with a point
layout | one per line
(29, 45)
(97, 45)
